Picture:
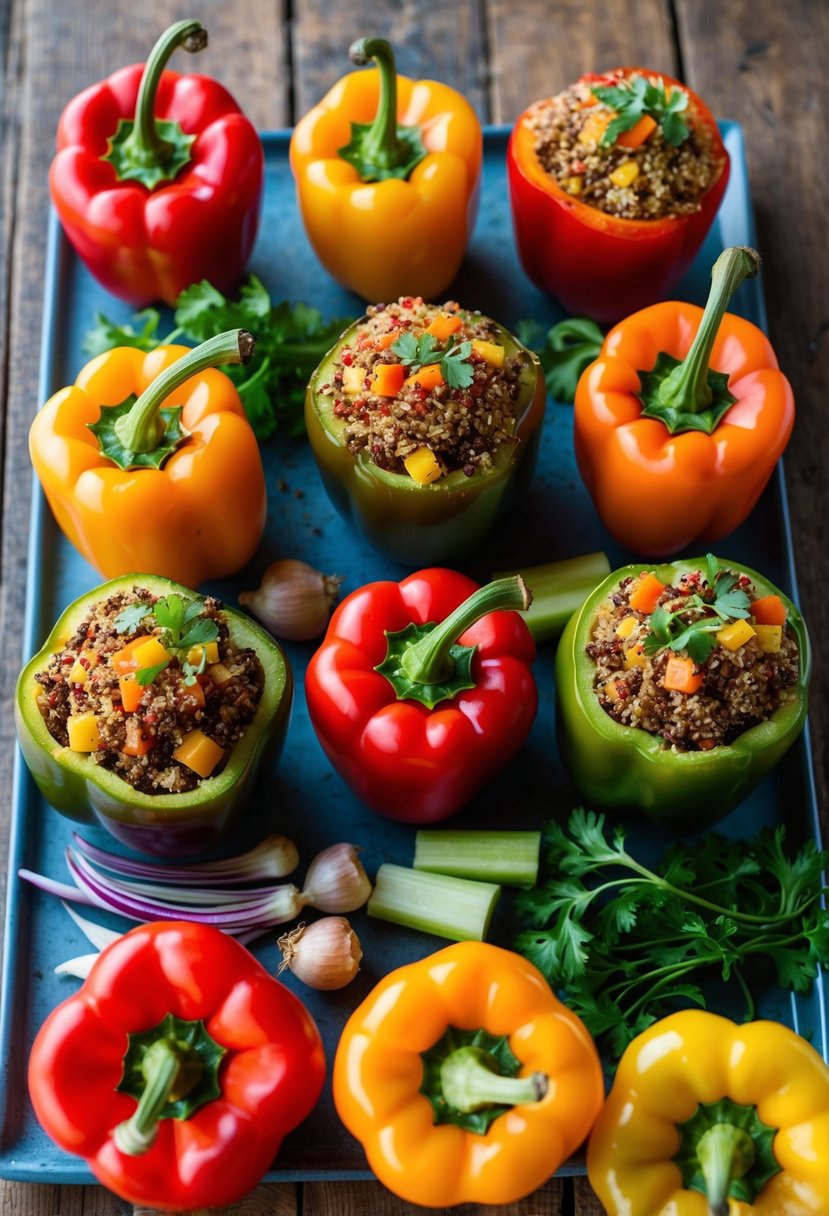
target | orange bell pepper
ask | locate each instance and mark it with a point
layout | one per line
(149, 463)
(680, 420)
(387, 173)
(465, 1079)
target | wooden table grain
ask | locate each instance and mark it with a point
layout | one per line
(757, 61)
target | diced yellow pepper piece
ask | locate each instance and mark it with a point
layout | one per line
(150, 654)
(594, 128)
(770, 638)
(491, 351)
(626, 627)
(611, 690)
(195, 652)
(574, 184)
(735, 635)
(220, 675)
(422, 466)
(84, 735)
(625, 174)
(199, 753)
(635, 657)
(77, 673)
(353, 378)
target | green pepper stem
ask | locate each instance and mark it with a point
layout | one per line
(142, 428)
(469, 1082)
(145, 145)
(725, 1153)
(380, 145)
(161, 1066)
(686, 387)
(428, 661)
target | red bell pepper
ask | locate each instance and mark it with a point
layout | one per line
(594, 263)
(422, 690)
(177, 1069)
(158, 177)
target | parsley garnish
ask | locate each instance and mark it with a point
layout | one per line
(627, 944)
(565, 352)
(182, 627)
(693, 626)
(633, 98)
(131, 617)
(453, 358)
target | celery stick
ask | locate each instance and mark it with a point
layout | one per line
(503, 856)
(559, 588)
(434, 903)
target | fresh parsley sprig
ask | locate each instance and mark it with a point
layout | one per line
(182, 628)
(565, 351)
(693, 626)
(633, 98)
(627, 943)
(452, 357)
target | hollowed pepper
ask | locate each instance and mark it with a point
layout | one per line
(177, 1069)
(595, 263)
(465, 1079)
(164, 824)
(614, 765)
(708, 1118)
(388, 173)
(422, 690)
(158, 177)
(149, 462)
(681, 419)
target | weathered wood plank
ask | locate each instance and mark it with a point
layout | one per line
(46, 1199)
(765, 65)
(372, 1199)
(263, 1201)
(584, 1199)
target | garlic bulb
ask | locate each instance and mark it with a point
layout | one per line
(325, 954)
(336, 880)
(293, 600)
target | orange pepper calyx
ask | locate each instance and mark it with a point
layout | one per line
(383, 148)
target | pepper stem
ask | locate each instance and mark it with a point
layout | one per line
(164, 1064)
(725, 1153)
(145, 146)
(470, 1081)
(428, 661)
(687, 388)
(142, 428)
(381, 146)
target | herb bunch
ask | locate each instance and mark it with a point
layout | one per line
(182, 628)
(452, 357)
(565, 351)
(628, 944)
(631, 99)
(694, 626)
(291, 339)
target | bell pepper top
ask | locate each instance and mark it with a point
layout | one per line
(473, 1090)
(383, 148)
(147, 149)
(688, 394)
(726, 1150)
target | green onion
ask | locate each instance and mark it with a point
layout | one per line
(504, 857)
(434, 903)
(559, 588)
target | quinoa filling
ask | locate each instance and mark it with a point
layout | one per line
(693, 704)
(648, 181)
(164, 726)
(426, 390)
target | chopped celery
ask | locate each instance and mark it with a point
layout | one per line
(559, 588)
(503, 856)
(434, 903)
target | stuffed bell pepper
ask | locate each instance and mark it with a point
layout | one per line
(679, 687)
(149, 710)
(425, 423)
(614, 183)
(387, 174)
(177, 1069)
(158, 177)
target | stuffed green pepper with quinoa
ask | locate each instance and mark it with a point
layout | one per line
(425, 422)
(679, 687)
(149, 709)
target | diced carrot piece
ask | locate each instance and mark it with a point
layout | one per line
(131, 693)
(429, 377)
(636, 136)
(123, 661)
(770, 610)
(138, 741)
(444, 325)
(387, 380)
(386, 340)
(681, 677)
(199, 753)
(646, 592)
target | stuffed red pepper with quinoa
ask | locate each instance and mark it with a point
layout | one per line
(425, 421)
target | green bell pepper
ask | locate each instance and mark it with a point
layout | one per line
(433, 524)
(612, 765)
(161, 824)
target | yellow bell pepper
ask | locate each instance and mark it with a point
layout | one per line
(150, 464)
(709, 1118)
(465, 1079)
(387, 172)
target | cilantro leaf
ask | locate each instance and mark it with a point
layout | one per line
(200, 634)
(712, 569)
(412, 350)
(169, 614)
(633, 98)
(565, 352)
(128, 620)
(146, 675)
(196, 309)
(105, 334)
(457, 371)
(453, 358)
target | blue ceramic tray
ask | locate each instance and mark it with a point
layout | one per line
(303, 797)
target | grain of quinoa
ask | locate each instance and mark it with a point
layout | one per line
(668, 180)
(740, 688)
(169, 709)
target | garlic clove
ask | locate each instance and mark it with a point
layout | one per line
(293, 600)
(325, 954)
(336, 880)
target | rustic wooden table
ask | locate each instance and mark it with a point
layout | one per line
(757, 61)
